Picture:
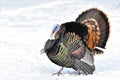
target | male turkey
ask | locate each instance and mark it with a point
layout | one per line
(76, 42)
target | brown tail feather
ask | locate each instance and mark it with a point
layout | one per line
(102, 21)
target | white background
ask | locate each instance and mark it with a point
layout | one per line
(25, 25)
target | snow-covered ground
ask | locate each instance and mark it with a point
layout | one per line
(25, 25)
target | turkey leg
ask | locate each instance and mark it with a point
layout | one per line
(59, 72)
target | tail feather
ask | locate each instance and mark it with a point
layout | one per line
(98, 51)
(102, 21)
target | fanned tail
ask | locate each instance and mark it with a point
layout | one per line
(97, 21)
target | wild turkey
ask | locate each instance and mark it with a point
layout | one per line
(76, 42)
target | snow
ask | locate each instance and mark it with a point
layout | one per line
(25, 25)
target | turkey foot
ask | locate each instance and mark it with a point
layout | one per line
(59, 72)
(78, 72)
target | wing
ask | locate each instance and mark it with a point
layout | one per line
(72, 35)
(74, 44)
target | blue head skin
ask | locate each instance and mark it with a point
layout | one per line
(54, 31)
